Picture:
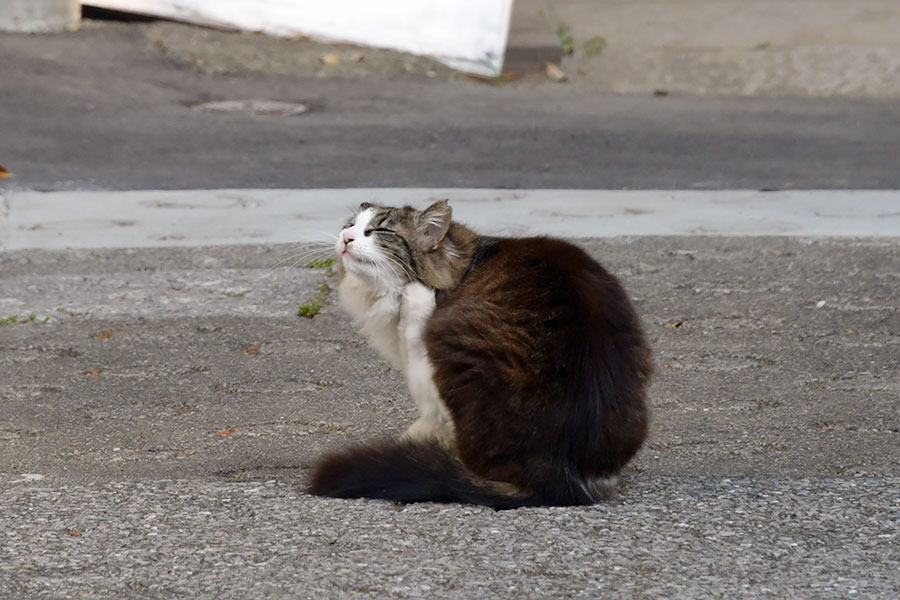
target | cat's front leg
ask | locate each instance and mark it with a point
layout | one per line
(416, 305)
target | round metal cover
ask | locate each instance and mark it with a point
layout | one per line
(261, 108)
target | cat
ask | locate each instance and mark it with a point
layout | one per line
(524, 356)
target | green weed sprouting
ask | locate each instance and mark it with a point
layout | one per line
(310, 309)
(15, 320)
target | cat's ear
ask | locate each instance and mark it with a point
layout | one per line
(433, 224)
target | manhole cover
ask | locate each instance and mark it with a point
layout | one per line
(262, 108)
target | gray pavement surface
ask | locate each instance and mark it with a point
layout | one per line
(809, 48)
(106, 109)
(695, 537)
(157, 430)
(155, 218)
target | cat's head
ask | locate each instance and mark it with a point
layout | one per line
(389, 247)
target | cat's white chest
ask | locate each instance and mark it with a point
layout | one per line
(376, 314)
(394, 322)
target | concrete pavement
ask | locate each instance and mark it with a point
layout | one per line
(669, 538)
(40, 16)
(808, 48)
(140, 219)
(158, 428)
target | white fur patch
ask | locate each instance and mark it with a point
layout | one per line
(368, 292)
(416, 305)
(393, 316)
(376, 315)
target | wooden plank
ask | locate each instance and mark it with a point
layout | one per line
(467, 34)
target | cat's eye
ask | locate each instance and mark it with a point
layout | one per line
(368, 232)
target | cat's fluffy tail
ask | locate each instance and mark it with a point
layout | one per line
(409, 471)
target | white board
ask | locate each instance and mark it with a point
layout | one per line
(466, 34)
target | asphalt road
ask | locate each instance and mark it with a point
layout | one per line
(158, 428)
(104, 109)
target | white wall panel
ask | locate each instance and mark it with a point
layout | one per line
(467, 34)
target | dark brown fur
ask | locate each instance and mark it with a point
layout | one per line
(540, 360)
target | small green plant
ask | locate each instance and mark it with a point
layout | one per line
(320, 263)
(310, 309)
(595, 45)
(565, 38)
(15, 320)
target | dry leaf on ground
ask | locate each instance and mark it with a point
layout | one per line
(227, 431)
(105, 335)
(92, 373)
(330, 59)
(4, 173)
(251, 350)
(555, 73)
(673, 324)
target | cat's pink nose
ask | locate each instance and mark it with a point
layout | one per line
(347, 237)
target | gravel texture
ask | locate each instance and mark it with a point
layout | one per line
(698, 537)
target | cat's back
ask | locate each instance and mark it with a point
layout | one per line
(543, 275)
(542, 299)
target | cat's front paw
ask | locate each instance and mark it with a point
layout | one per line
(425, 431)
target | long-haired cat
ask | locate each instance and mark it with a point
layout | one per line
(524, 357)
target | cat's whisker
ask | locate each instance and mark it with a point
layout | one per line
(394, 278)
(307, 255)
(396, 260)
(299, 250)
(301, 246)
(410, 276)
(392, 270)
(398, 268)
(276, 260)
(318, 252)
(311, 263)
(379, 272)
(288, 261)
(310, 260)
